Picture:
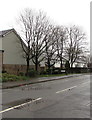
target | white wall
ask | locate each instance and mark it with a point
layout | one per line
(12, 50)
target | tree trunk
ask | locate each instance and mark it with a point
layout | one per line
(49, 66)
(27, 66)
(61, 65)
(36, 64)
(71, 65)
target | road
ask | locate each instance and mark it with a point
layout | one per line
(65, 98)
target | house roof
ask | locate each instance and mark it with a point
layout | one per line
(4, 32)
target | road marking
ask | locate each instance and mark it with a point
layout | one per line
(72, 87)
(88, 104)
(11, 108)
(85, 83)
(66, 89)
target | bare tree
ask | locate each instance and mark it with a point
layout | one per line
(34, 27)
(25, 21)
(60, 36)
(50, 50)
(75, 45)
(44, 42)
(39, 37)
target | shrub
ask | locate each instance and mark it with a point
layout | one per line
(56, 71)
(32, 73)
(9, 77)
(21, 74)
(4, 71)
(43, 73)
(49, 71)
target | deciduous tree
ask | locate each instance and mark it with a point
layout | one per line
(75, 45)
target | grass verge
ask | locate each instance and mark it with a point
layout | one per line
(5, 77)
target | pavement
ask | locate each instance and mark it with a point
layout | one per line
(7, 85)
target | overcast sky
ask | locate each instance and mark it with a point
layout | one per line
(63, 12)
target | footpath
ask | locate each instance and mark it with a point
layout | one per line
(7, 85)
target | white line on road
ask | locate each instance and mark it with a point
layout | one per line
(85, 83)
(11, 108)
(88, 104)
(66, 89)
(72, 87)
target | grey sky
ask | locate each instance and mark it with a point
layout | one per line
(63, 12)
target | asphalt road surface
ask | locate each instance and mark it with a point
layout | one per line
(65, 98)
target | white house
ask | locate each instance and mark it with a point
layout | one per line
(11, 53)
